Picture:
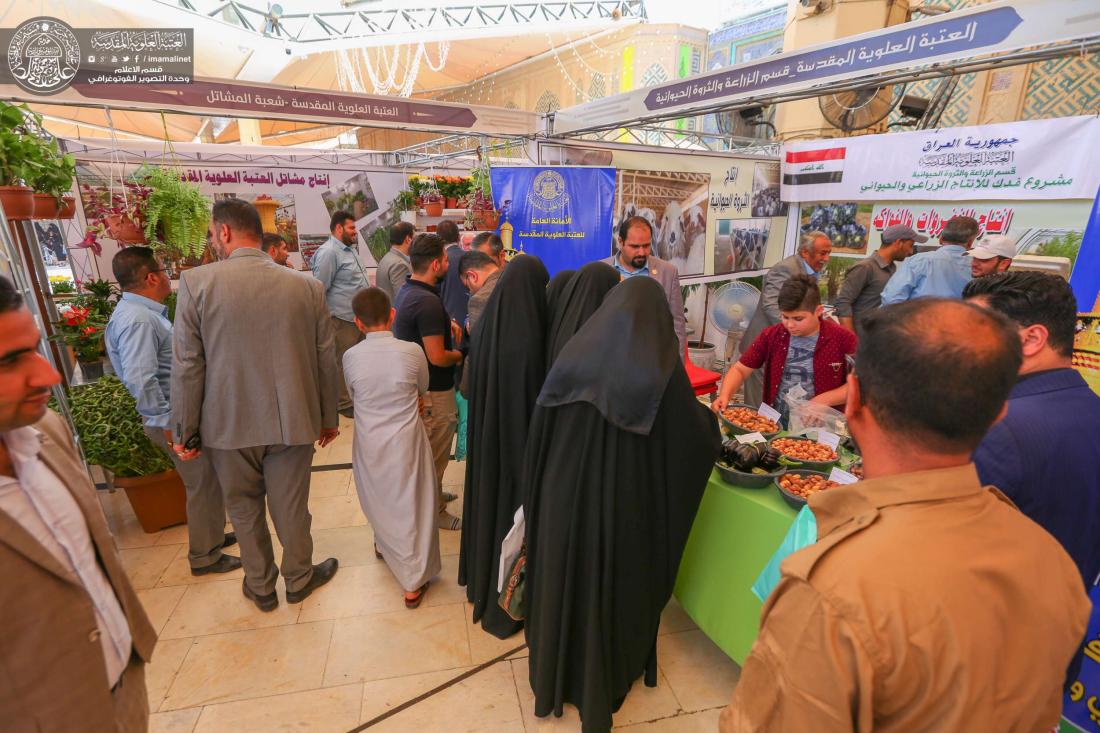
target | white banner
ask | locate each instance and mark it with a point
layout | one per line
(1036, 160)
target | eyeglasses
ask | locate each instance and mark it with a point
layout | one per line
(850, 363)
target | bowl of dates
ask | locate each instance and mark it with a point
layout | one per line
(796, 486)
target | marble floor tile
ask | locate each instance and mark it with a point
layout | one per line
(701, 675)
(329, 483)
(328, 710)
(483, 645)
(356, 590)
(444, 589)
(570, 720)
(454, 474)
(159, 604)
(450, 540)
(340, 451)
(428, 639)
(484, 702)
(675, 619)
(705, 721)
(177, 721)
(168, 656)
(247, 664)
(336, 511)
(173, 535)
(178, 571)
(145, 565)
(220, 608)
(123, 524)
(349, 545)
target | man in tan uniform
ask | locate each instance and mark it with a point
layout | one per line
(929, 602)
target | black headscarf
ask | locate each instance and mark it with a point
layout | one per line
(579, 299)
(555, 288)
(507, 366)
(610, 508)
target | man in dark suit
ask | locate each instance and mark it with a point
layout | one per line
(76, 639)
(813, 253)
(254, 384)
(1045, 453)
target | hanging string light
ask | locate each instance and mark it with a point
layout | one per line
(383, 73)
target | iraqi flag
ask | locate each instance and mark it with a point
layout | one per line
(813, 167)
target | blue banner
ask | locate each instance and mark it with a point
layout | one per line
(1081, 709)
(563, 215)
(1086, 269)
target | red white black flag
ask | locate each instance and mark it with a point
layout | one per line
(806, 167)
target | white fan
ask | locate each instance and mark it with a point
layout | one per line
(729, 312)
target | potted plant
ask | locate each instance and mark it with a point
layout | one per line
(111, 434)
(177, 215)
(485, 216)
(81, 329)
(405, 202)
(20, 153)
(118, 214)
(52, 183)
(433, 200)
(99, 296)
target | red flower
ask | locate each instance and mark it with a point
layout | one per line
(88, 331)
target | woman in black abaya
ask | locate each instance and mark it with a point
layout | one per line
(555, 287)
(618, 457)
(577, 301)
(507, 366)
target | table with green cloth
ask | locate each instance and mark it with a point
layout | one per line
(735, 533)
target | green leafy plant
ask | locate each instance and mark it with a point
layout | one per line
(110, 430)
(99, 296)
(62, 287)
(30, 156)
(82, 330)
(1068, 245)
(405, 201)
(177, 214)
(170, 302)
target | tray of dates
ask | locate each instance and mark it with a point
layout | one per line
(740, 419)
(797, 486)
(805, 453)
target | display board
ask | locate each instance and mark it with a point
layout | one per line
(714, 216)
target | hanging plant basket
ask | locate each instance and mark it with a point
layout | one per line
(433, 208)
(45, 206)
(18, 202)
(123, 230)
(67, 210)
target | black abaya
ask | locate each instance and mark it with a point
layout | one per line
(555, 288)
(579, 299)
(618, 457)
(507, 366)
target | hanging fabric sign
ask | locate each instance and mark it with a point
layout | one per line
(561, 214)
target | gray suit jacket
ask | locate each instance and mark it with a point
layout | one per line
(254, 360)
(669, 277)
(52, 677)
(767, 309)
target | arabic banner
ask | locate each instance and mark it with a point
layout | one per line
(561, 214)
(1035, 160)
(964, 33)
(1080, 707)
(294, 202)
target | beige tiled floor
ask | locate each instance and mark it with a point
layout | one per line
(352, 651)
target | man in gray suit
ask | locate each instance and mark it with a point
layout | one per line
(813, 253)
(635, 258)
(253, 385)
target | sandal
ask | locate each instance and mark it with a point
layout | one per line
(414, 602)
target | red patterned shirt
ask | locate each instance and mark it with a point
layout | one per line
(769, 350)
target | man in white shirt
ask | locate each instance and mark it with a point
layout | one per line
(76, 638)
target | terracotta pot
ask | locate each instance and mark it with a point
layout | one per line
(18, 202)
(68, 208)
(486, 220)
(45, 206)
(158, 500)
(452, 203)
(123, 230)
(434, 208)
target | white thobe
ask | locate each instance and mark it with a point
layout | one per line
(391, 458)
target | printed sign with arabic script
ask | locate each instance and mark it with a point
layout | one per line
(1034, 160)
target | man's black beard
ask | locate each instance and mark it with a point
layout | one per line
(639, 263)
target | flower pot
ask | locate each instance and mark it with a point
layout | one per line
(92, 370)
(123, 230)
(159, 500)
(18, 202)
(267, 209)
(45, 206)
(486, 220)
(68, 208)
(452, 203)
(433, 208)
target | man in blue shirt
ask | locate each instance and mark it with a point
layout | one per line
(942, 273)
(139, 344)
(1045, 453)
(337, 265)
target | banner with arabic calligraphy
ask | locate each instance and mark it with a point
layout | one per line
(1081, 708)
(562, 214)
(1033, 160)
(295, 202)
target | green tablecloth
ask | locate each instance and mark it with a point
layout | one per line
(734, 535)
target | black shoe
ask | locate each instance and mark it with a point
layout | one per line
(265, 603)
(224, 564)
(321, 574)
(230, 540)
(347, 412)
